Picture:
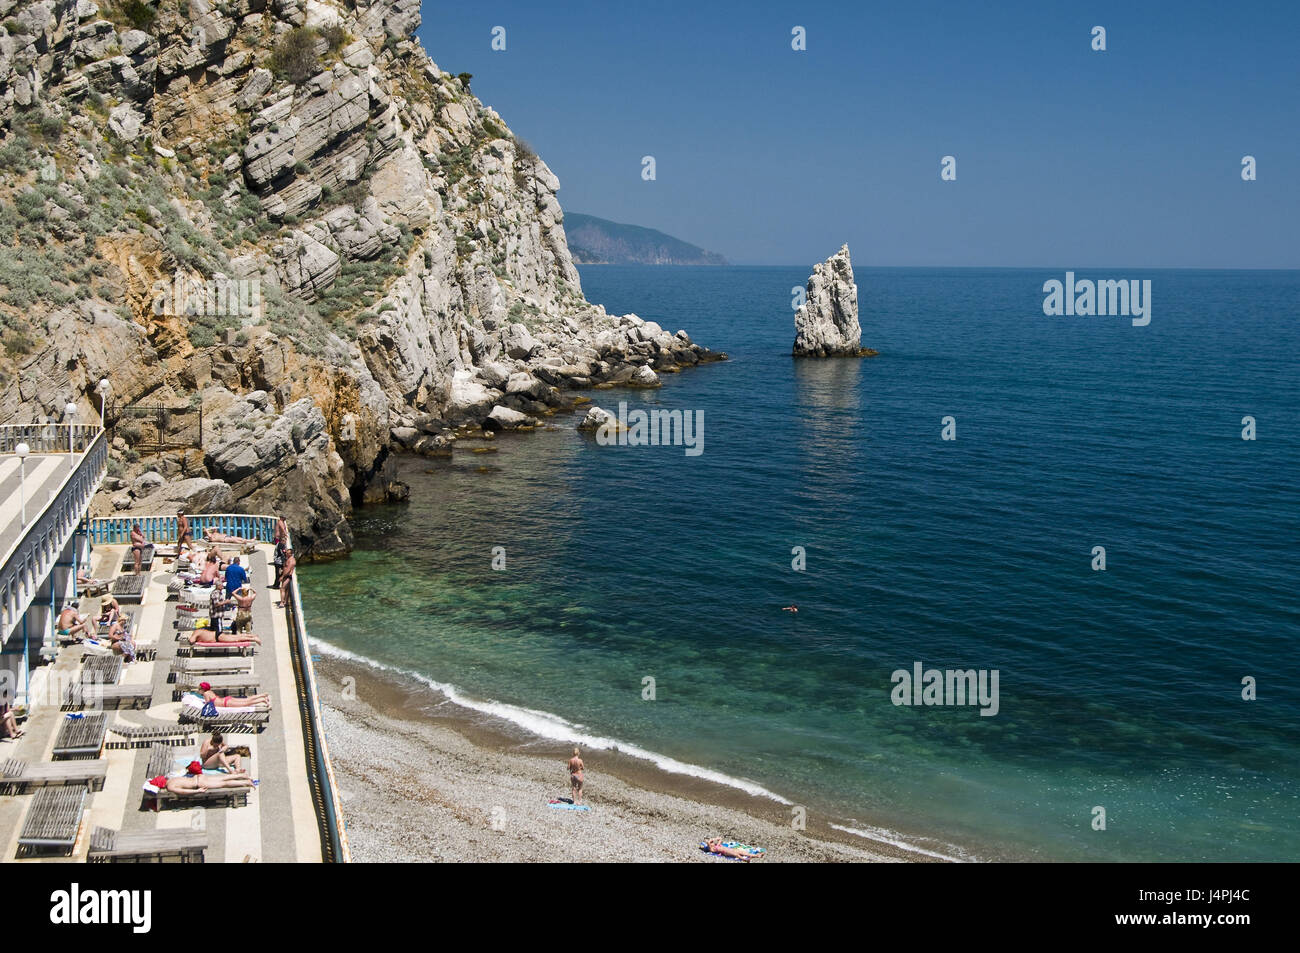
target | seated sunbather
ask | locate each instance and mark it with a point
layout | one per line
(109, 611)
(71, 623)
(8, 724)
(209, 635)
(211, 566)
(234, 701)
(121, 641)
(714, 846)
(215, 753)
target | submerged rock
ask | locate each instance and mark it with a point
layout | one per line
(826, 324)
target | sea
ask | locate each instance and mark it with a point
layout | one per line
(1096, 533)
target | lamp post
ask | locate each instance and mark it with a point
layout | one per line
(103, 389)
(22, 450)
(69, 415)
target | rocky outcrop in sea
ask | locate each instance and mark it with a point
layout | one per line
(395, 255)
(826, 324)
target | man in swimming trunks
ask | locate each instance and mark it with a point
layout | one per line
(183, 532)
(575, 775)
(137, 545)
(243, 598)
(286, 573)
(70, 624)
(790, 608)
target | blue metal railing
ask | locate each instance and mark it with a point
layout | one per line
(109, 530)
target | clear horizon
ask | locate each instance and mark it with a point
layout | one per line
(1065, 156)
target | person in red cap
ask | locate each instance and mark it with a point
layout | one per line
(234, 701)
(196, 781)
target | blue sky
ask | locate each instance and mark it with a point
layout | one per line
(1066, 157)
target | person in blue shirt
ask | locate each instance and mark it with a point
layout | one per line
(236, 576)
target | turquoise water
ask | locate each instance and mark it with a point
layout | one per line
(1120, 689)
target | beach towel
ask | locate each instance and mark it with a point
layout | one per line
(751, 851)
(568, 806)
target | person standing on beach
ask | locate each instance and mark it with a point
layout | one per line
(575, 775)
(183, 532)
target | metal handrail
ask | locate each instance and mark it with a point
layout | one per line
(117, 529)
(48, 438)
(38, 546)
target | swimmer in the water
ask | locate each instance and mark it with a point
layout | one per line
(790, 608)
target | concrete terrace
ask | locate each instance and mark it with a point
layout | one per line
(279, 823)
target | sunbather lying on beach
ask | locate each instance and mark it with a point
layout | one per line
(714, 845)
(87, 581)
(208, 635)
(71, 623)
(234, 701)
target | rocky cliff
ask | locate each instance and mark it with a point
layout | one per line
(285, 215)
(826, 324)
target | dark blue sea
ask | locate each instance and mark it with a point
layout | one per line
(1119, 689)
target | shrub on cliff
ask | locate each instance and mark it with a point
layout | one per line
(295, 57)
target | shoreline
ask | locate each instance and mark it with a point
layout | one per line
(425, 779)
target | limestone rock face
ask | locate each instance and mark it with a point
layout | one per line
(403, 253)
(826, 324)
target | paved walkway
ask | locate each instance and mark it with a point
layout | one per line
(279, 822)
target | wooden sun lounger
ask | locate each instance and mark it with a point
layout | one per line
(130, 588)
(53, 820)
(229, 720)
(107, 696)
(212, 648)
(108, 846)
(140, 736)
(16, 776)
(80, 737)
(162, 760)
(101, 669)
(239, 685)
(146, 559)
(211, 666)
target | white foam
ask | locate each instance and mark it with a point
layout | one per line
(894, 839)
(553, 727)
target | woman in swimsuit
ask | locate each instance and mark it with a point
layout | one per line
(213, 754)
(576, 768)
(715, 847)
(231, 701)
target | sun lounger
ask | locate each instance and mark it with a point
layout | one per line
(210, 666)
(184, 648)
(130, 588)
(101, 669)
(16, 776)
(239, 685)
(231, 719)
(81, 737)
(146, 559)
(162, 760)
(53, 820)
(140, 736)
(96, 589)
(181, 845)
(99, 696)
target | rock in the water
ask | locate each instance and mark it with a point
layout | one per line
(503, 418)
(826, 325)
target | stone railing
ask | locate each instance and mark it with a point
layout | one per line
(38, 546)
